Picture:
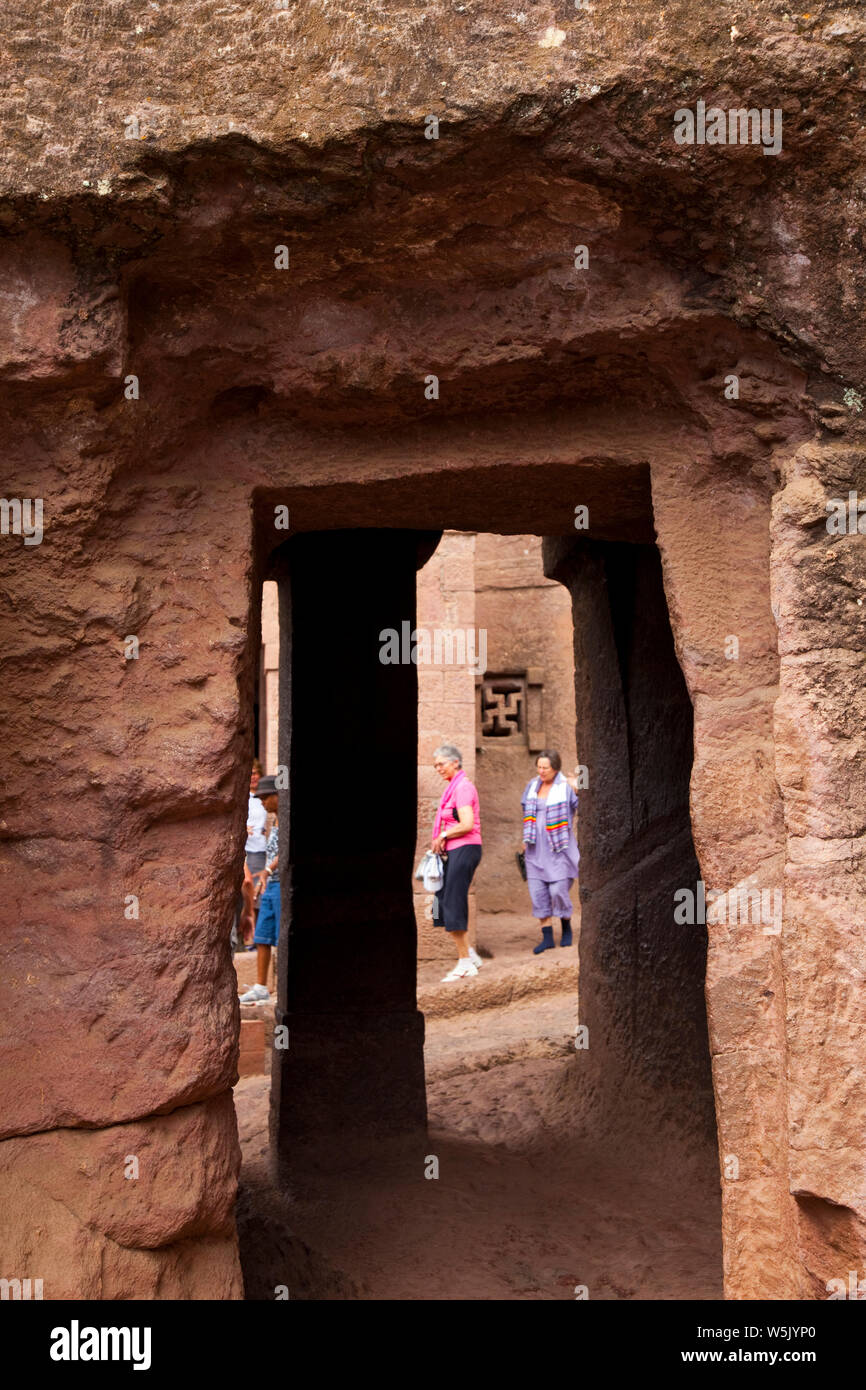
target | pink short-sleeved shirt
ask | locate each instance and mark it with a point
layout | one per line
(459, 792)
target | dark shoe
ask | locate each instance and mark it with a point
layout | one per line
(547, 942)
(566, 932)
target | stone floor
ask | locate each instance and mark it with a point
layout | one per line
(524, 1207)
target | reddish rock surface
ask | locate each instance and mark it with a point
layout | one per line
(143, 1210)
(257, 387)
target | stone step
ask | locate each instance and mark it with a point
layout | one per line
(498, 984)
(538, 1028)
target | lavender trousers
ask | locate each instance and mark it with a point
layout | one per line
(550, 899)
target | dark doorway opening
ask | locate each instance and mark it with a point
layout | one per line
(348, 1101)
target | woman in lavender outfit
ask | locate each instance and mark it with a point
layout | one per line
(552, 856)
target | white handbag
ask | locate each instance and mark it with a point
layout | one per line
(430, 870)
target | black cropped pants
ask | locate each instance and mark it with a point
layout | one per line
(451, 903)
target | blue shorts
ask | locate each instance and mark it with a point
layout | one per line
(268, 920)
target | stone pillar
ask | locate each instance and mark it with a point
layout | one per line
(820, 747)
(118, 1003)
(641, 975)
(713, 529)
(353, 1071)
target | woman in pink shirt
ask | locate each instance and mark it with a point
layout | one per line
(456, 836)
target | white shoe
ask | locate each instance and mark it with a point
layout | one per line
(462, 970)
(259, 994)
(475, 958)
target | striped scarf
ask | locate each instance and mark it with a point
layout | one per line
(558, 823)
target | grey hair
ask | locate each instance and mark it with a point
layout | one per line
(450, 752)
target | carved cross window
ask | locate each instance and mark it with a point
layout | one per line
(503, 707)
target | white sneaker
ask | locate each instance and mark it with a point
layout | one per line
(462, 970)
(475, 958)
(259, 994)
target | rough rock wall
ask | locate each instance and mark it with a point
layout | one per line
(118, 1001)
(646, 1062)
(714, 540)
(154, 257)
(818, 727)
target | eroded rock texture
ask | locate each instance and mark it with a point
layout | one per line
(142, 1210)
(155, 258)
